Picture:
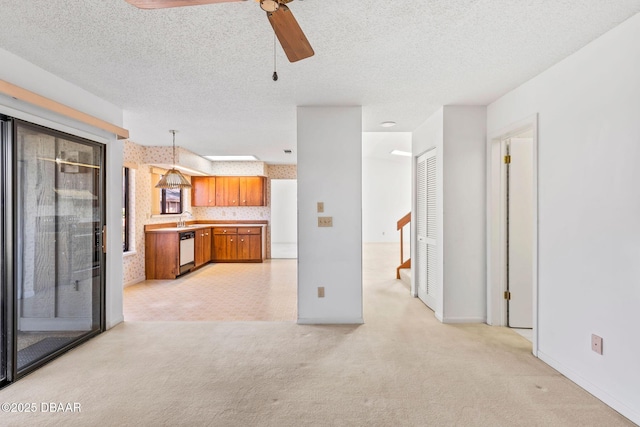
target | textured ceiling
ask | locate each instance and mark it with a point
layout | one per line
(206, 70)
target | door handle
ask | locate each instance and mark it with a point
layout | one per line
(104, 239)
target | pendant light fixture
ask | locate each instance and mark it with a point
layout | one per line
(173, 178)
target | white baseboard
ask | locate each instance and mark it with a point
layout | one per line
(134, 281)
(331, 321)
(438, 316)
(463, 320)
(608, 399)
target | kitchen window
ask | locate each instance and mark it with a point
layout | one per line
(164, 201)
(171, 201)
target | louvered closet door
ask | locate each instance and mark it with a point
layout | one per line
(426, 273)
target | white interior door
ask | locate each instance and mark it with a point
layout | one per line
(425, 270)
(520, 232)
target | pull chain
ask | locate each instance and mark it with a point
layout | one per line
(174, 147)
(275, 73)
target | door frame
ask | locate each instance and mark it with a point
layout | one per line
(496, 220)
(12, 258)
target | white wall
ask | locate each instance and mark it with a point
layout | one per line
(464, 214)
(284, 211)
(386, 185)
(17, 71)
(588, 109)
(329, 171)
(458, 135)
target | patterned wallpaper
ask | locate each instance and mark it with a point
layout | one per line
(238, 168)
(140, 158)
(133, 153)
(282, 171)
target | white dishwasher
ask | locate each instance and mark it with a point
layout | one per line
(187, 251)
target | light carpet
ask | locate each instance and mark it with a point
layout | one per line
(401, 368)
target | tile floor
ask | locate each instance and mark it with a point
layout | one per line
(219, 292)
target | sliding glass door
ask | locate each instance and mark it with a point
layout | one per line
(58, 217)
(4, 249)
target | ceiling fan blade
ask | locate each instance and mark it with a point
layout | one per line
(290, 35)
(161, 4)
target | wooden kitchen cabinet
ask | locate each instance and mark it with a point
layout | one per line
(225, 243)
(202, 246)
(218, 243)
(252, 191)
(227, 190)
(249, 247)
(203, 191)
(237, 244)
(162, 255)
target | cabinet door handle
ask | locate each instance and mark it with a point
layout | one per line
(231, 240)
(242, 240)
(224, 231)
(206, 234)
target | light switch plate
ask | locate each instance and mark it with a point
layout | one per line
(320, 291)
(320, 207)
(596, 343)
(325, 221)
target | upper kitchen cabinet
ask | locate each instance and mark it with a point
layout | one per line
(203, 191)
(227, 190)
(238, 191)
(252, 191)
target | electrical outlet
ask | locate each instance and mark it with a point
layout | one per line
(596, 343)
(325, 221)
(320, 207)
(320, 291)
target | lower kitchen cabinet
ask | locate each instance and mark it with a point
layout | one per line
(237, 244)
(202, 246)
(249, 247)
(218, 244)
(225, 244)
(162, 255)
(249, 244)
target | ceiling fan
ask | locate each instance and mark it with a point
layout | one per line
(289, 33)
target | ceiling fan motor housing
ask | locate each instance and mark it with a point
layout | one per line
(269, 5)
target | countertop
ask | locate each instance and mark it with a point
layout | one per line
(199, 226)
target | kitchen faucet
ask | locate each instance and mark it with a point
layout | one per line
(181, 222)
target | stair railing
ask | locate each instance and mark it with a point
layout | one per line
(401, 224)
